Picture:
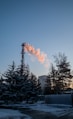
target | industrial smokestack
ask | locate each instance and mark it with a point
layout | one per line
(41, 56)
(22, 58)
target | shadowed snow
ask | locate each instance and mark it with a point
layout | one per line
(6, 113)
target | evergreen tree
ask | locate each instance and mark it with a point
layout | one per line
(33, 88)
(64, 72)
(10, 73)
(35, 84)
(50, 86)
(59, 79)
(20, 87)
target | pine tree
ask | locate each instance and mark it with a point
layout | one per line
(64, 71)
(20, 87)
(50, 86)
(10, 73)
(33, 88)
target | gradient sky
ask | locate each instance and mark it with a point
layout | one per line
(45, 24)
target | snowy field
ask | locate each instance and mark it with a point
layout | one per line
(56, 109)
(12, 114)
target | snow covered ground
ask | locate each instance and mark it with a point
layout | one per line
(14, 114)
(56, 109)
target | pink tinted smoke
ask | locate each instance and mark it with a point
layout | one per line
(42, 57)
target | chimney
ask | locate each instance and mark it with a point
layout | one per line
(22, 58)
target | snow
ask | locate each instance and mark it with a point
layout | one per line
(5, 113)
(58, 110)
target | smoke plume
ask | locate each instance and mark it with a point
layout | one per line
(41, 56)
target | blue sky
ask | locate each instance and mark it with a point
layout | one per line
(45, 24)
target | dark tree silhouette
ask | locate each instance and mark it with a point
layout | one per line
(10, 73)
(20, 87)
(59, 78)
(50, 86)
(64, 72)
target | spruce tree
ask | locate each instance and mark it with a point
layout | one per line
(64, 71)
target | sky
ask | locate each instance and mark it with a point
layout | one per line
(44, 24)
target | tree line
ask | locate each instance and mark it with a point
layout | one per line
(17, 87)
(59, 77)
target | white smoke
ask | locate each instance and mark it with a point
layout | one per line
(41, 56)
